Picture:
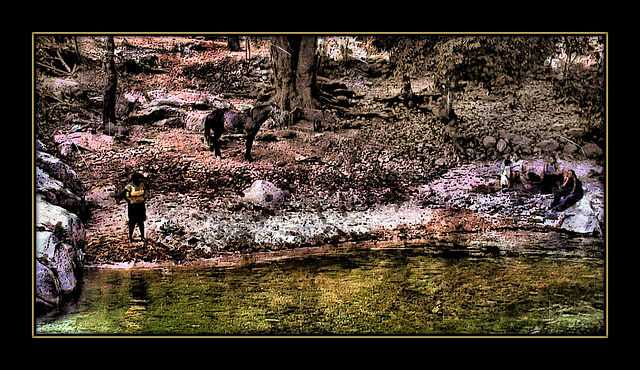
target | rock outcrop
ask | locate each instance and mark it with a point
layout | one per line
(177, 109)
(60, 235)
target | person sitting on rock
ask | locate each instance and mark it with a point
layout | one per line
(134, 193)
(530, 174)
(551, 176)
(538, 173)
(570, 192)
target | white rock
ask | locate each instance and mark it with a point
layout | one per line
(48, 215)
(264, 194)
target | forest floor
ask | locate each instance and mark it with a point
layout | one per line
(364, 171)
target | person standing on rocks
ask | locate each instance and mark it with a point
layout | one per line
(135, 193)
(570, 192)
(507, 174)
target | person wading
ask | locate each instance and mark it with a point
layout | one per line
(135, 193)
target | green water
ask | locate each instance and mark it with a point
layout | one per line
(402, 292)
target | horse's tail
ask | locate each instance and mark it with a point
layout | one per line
(206, 140)
(207, 127)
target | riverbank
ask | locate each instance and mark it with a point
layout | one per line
(382, 168)
(452, 214)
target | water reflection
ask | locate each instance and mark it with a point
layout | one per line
(138, 287)
(135, 317)
(361, 292)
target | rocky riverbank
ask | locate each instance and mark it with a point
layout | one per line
(60, 236)
(460, 212)
(383, 172)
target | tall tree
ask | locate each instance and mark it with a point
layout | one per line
(109, 98)
(294, 69)
(233, 42)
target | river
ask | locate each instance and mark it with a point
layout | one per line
(401, 291)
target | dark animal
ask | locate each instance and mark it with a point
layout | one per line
(246, 122)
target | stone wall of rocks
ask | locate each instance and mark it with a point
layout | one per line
(529, 122)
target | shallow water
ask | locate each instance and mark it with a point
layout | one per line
(360, 292)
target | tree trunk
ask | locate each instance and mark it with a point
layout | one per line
(233, 42)
(247, 47)
(109, 98)
(294, 60)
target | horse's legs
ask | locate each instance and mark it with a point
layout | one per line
(214, 122)
(215, 142)
(207, 131)
(247, 154)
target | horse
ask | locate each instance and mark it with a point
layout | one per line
(246, 122)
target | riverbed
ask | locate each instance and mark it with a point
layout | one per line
(360, 291)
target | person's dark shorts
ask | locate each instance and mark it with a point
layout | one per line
(137, 212)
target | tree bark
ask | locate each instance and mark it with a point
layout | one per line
(109, 98)
(294, 69)
(233, 42)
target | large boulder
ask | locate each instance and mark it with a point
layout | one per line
(501, 145)
(56, 193)
(264, 194)
(576, 132)
(548, 145)
(59, 240)
(177, 109)
(61, 258)
(61, 88)
(522, 143)
(155, 112)
(591, 150)
(570, 148)
(194, 120)
(489, 142)
(581, 222)
(47, 288)
(57, 169)
(50, 217)
(587, 215)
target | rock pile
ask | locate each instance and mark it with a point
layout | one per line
(528, 122)
(60, 234)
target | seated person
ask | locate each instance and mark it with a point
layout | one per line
(570, 192)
